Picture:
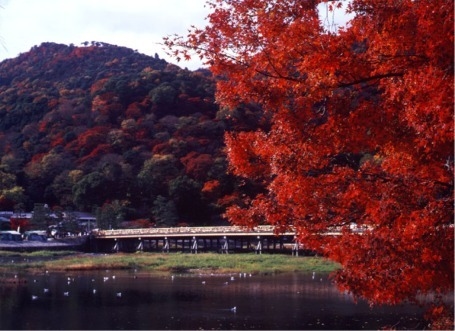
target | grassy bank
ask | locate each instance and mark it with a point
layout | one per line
(174, 262)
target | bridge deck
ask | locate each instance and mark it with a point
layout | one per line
(203, 231)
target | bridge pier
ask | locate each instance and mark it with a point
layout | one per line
(259, 246)
(225, 247)
(140, 247)
(115, 249)
(194, 246)
(166, 245)
(295, 247)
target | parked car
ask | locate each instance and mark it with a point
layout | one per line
(35, 235)
(10, 236)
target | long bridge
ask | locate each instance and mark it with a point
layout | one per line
(223, 239)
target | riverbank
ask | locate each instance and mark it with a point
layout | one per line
(160, 262)
(68, 243)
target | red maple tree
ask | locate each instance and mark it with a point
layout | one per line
(361, 141)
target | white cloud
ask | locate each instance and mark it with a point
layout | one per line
(137, 24)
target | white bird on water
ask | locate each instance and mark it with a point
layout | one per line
(119, 294)
(234, 309)
(34, 297)
(66, 294)
(46, 290)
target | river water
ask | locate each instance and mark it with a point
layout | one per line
(113, 300)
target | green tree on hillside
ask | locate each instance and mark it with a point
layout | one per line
(164, 212)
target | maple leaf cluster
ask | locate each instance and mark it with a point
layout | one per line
(361, 135)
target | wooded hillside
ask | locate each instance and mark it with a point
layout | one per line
(105, 129)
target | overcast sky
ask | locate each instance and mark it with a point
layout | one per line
(136, 24)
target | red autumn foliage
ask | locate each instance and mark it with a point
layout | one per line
(59, 140)
(211, 188)
(98, 85)
(196, 165)
(134, 110)
(161, 148)
(22, 223)
(137, 224)
(211, 185)
(97, 152)
(82, 51)
(142, 134)
(37, 158)
(43, 126)
(91, 138)
(52, 103)
(362, 132)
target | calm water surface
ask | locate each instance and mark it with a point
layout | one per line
(133, 300)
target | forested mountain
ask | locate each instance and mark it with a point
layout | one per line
(106, 129)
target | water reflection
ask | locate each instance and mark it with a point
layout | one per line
(132, 300)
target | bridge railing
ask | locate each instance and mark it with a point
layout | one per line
(183, 231)
(212, 230)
